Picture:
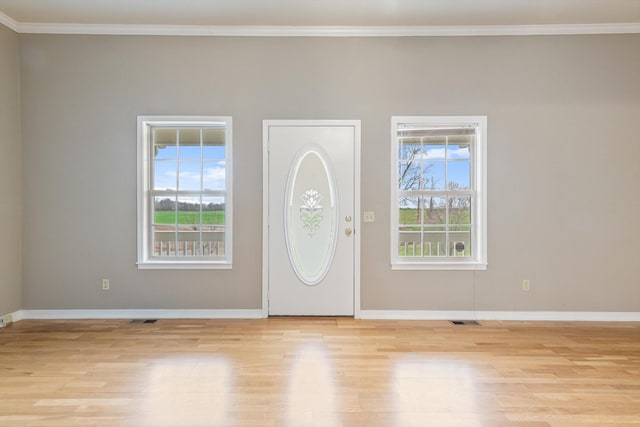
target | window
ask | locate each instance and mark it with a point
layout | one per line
(438, 215)
(184, 192)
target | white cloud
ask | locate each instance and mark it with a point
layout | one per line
(434, 153)
(214, 173)
(189, 175)
(214, 178)
(439, 154)
(459, 153)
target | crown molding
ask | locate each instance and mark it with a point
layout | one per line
(8, 22)
(321, 31)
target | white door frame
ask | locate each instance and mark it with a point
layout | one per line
(265, 204)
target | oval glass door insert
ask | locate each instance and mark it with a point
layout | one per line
(311, 215)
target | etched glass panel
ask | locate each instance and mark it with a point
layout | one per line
(311, 215)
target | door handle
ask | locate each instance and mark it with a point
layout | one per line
(348, 231)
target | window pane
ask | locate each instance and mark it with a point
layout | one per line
(189, 137)
(189, 241)
(189, 210)
(214, 175)
(409, 148)
(164, 143)
(434, 242)
(164, 210)
(213, 143)
(213, 241)
(435, 211)
(190, 177)
(164, 175)
(409, 226)
(434, 148)
(190, 144)
(409, 213)
(214, 136)
(213, 212)
(460, 243)
(164, 237)
(190, 152)
(460, 226)
(459, 211)
(458, 151)
(409, 176)
(459, 174)
(213, 230)
(433, 176)
(410, 245)
(213, 152)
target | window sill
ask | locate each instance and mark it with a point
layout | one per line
(439, 265)
(186, 265)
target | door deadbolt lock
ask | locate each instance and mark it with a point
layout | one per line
(347, 218)
(348, 231)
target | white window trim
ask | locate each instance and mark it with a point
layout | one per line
(479, 213)
(145, 261)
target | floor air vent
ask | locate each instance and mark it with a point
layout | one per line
(144, 320)
(464, 322)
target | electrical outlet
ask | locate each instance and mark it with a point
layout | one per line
(6, 321)
(526, 285)
(105, 284)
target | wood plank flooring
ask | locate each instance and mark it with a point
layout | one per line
(299, 372)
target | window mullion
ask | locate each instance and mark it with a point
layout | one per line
(421, 207)
(421, 198)
(200, 226)
(177, 198)
(446, 163)
(447, 241)
(447, 238)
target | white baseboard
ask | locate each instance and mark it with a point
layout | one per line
(566, 316)
(417, 315)
(140, 314)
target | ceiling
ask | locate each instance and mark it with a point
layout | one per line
(321, 12)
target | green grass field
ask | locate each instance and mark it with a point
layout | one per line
(189, 217)
(412, 216)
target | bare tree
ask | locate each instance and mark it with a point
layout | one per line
(411, 176)
(458, 206)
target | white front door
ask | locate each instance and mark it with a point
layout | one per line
(311, 216)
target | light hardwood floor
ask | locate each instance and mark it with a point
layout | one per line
(318, 372)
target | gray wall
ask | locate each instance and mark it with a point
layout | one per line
(10, 175)
(564, 154)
